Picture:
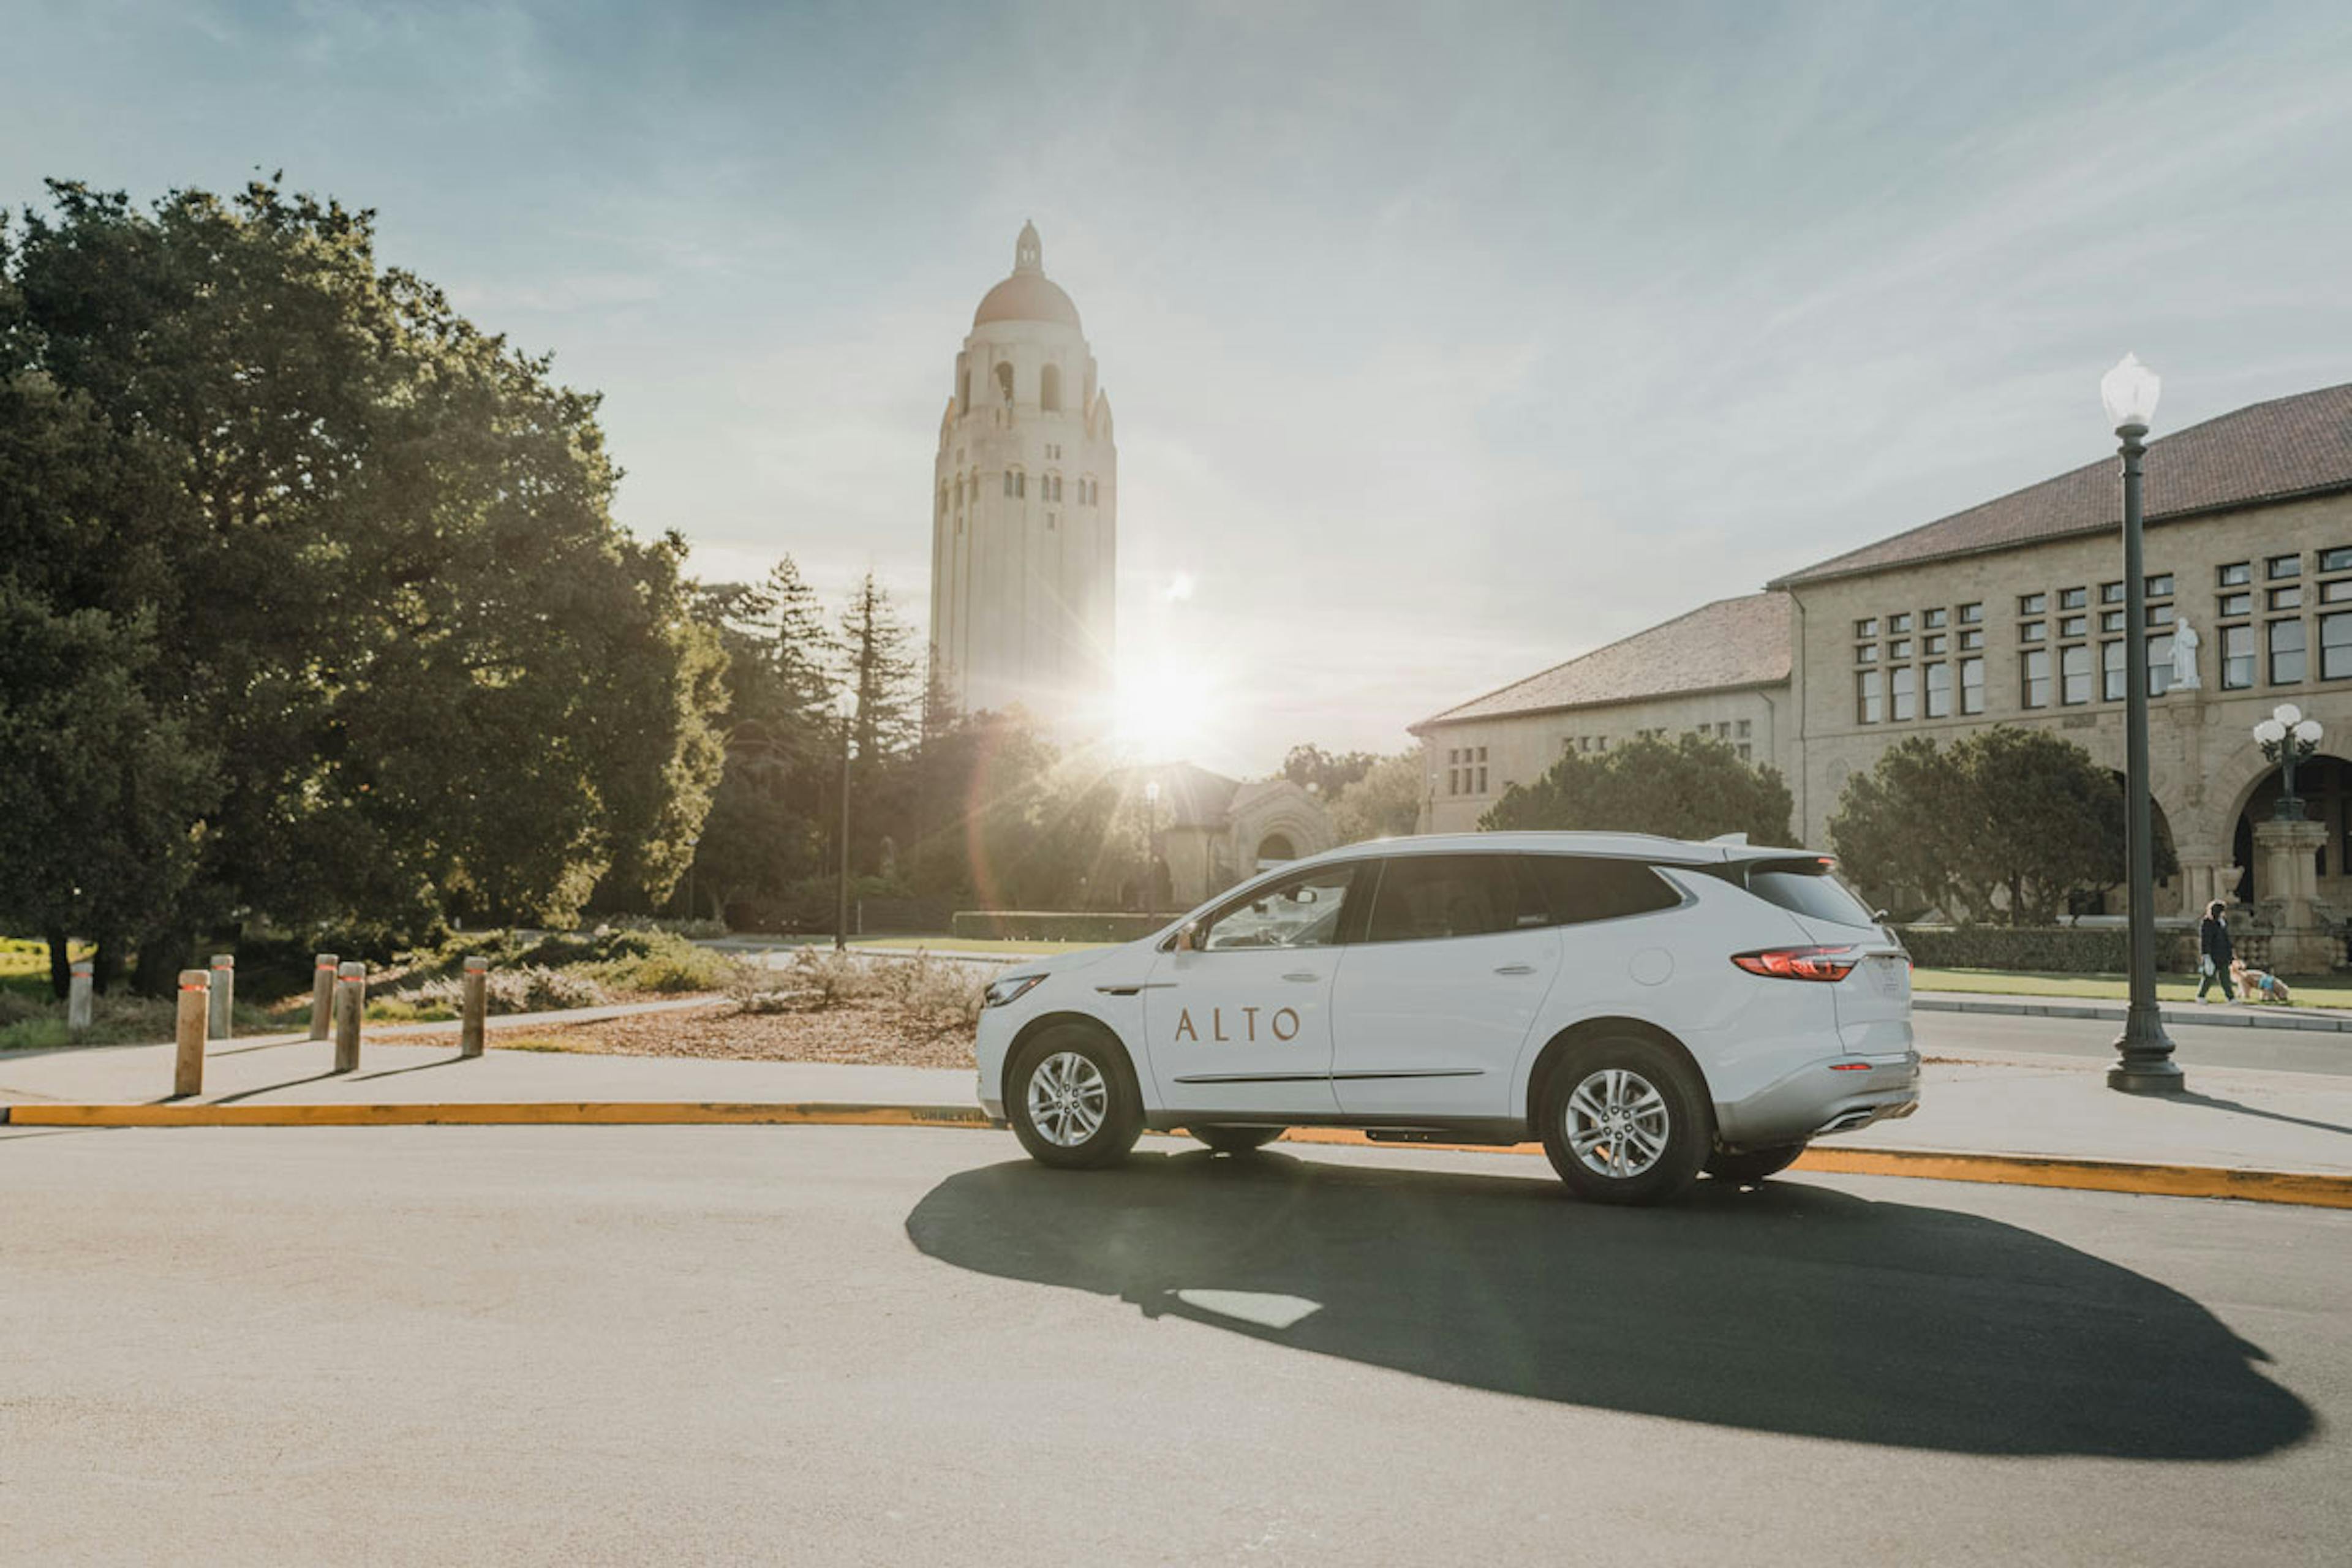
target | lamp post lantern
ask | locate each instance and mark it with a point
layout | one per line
(2287, 738)
(2145, 1063)
(847, 707)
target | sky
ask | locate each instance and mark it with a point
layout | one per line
(1446, 341)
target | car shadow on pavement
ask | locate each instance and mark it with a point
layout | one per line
(1789, 1307)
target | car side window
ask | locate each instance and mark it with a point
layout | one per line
(1296, 911)
(1575, 888)
(1425, 897)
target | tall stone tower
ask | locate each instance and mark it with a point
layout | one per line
(1024, 509)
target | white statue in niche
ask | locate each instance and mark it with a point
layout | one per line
(2184, 656)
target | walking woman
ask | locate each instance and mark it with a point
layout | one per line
(2214, 952)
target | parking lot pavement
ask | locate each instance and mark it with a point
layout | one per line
(843, 1345)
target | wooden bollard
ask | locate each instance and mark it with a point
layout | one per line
(473, 1019)
(322, 994)
(351, 1001)
(77, 1002)
(188, 1067)
(224, 994)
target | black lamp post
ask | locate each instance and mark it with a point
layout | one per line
(2146, 1064)
(848, 709)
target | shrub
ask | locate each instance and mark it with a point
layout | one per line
(528, 988)
(2059, 950)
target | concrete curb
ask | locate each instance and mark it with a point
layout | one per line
(2225, 1016)
(2310, 1188)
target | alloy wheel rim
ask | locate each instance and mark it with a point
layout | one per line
(1068, 1099)
(1617, 1123)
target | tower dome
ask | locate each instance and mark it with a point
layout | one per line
(1028, 295)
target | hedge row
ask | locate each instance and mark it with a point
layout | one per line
(1044, 925)
(2065, 950)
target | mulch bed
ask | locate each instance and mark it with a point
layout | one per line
(865, 1033)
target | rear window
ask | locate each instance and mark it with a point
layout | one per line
(1806, 888)
(1576, 888)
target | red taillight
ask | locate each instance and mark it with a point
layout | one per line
(1831, 964)
(1850, 1067)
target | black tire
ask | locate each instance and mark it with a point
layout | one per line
(1117, 1105)
(1236, 1140)
(1750, 1166)
(1681, 1119)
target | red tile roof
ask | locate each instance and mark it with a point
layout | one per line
(2287, 447)
(1727, 645)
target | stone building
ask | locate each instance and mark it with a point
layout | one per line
(1208, 832)
(1720, 670)
(1024, 511)
(2012, 612)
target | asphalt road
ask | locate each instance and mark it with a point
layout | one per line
(2194, 1045)
(850, 1345)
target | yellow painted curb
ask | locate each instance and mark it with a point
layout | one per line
(501, 1113)
(2315, 1189)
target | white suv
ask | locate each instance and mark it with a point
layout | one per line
(1649, 1008)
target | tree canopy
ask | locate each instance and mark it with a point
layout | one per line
(339, 627)
(1695, 787)
(2004, 824)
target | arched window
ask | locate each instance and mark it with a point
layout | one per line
(1004, 379)
(963, 389)
(1049, 389)
(1016, 483)
(1050, 488)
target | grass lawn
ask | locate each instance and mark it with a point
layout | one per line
(979, 945)
(2310, 991)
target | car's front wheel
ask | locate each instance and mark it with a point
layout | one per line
(1750, 1166)
(1624, 1122)
(1071, 1100)
(1235, 1140)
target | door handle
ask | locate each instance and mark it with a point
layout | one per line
(1515, 969)
(1302, 976)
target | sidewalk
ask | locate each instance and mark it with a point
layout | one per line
(2033, 1106)
(2228, 1016)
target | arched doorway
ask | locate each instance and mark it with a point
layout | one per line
(1274, 849)
(2323, 784)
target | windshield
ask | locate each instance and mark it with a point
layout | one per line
(1808, 888)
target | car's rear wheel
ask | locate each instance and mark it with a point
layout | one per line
(1235, 1140)
(1625, 1122)
(1750, 1166)
(1072, 1100)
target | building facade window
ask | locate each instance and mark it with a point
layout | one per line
(2335, 647)
(1933, 619)
(2236, 574)
(1899, 649)
(1866, 653)
(2031, 631)
(2111, 620)
(1902, 694)
(2286, 598)
(1940, 691)
(2159, 585)
(2074, 675)
(2160, 664)
(2115, 679)
(1932, 645)
(2111, 592)
(2234, 605)
(2075, 626)
(1869, 697)
(1866, 628)
(1898, 623)
(1972, 640)
(1971, 686)
(2032, 603)
(2286, 651)
(2279, 566)
(2073, 598)
(2237, 657)
(1049, 389)
(1971, 615)
(1016, 483)
(2033, 679)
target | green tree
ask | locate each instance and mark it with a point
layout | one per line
(1384, 803)
(1694, 788)
(430, 673)
(1325, 774)
(2008, 824)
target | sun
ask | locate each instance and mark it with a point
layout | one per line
(1162, 710)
